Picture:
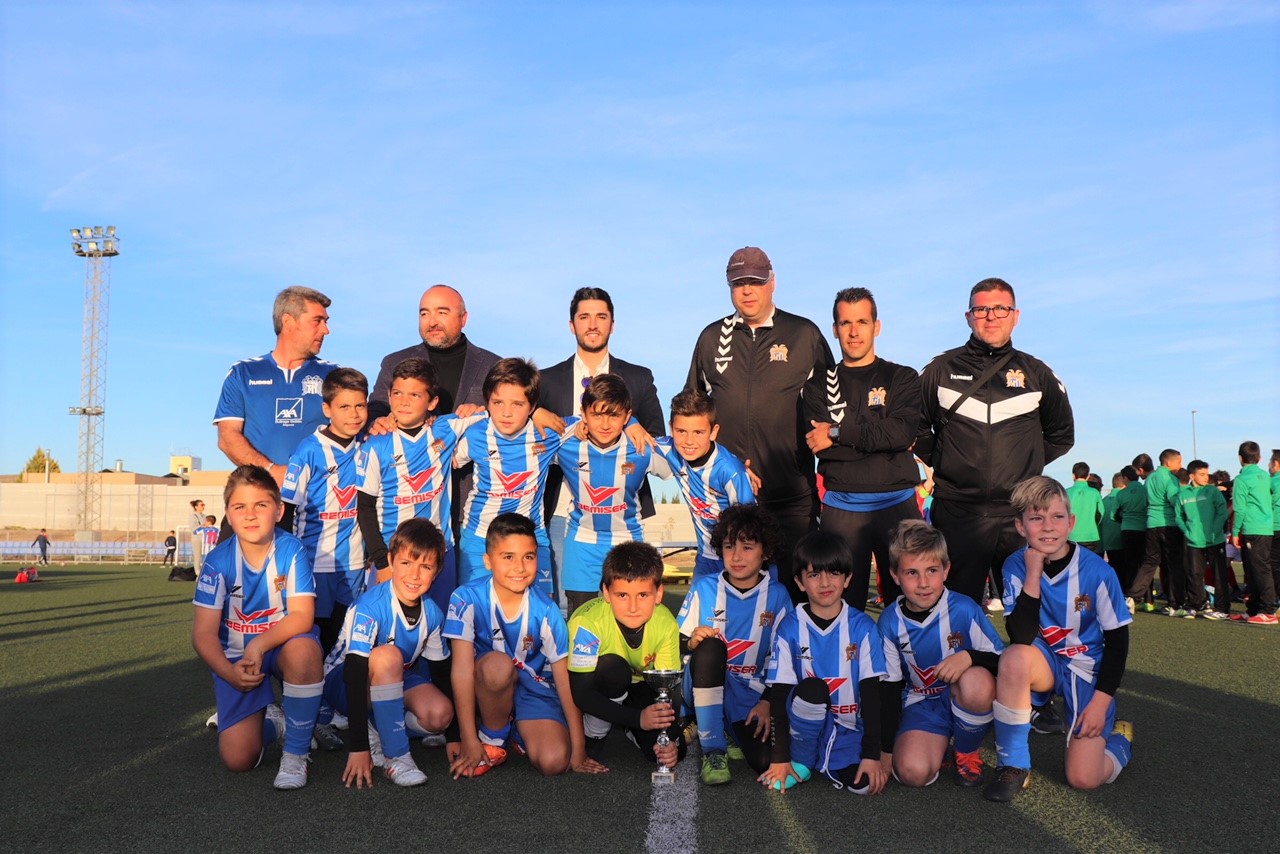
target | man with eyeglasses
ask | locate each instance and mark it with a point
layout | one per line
(754, 365)
(983, 433)
(591, 322)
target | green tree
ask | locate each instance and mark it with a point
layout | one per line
(36, 464)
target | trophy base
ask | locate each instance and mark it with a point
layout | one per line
(663, 778)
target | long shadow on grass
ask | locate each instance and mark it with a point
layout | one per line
(119, 615)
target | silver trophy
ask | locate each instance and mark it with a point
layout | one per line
(663, 682)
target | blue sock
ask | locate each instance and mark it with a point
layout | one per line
(807, 720)
(496, 737)
(269, 734)
(388, 717)
(325, 715)
(1121, 751)
(708, 707)
(1013, 729)
(968, 728)
(301, 705)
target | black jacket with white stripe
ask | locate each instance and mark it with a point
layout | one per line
(1007, 431)
(877, 408)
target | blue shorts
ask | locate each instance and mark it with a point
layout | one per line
(536, 701)
(583, 566)
(739, 698)
(838, 748)
(932, 715)
(335, 685)
(471, 563)
(235, 705)
(1075, 690)
(331, 589)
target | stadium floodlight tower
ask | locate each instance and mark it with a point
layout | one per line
(97, 246)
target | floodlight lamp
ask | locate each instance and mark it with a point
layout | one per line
(97, 231)
(75, 247)
(111, 231)
(109, 246)
(75, 234)
(93, 246)
(86, 232)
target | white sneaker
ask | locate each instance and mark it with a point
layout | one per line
(275, 714)
(339, 720)
(375, 748)
(212, 723)
(1130, 604)
(403, 771)
(293, 771)
(995, 606)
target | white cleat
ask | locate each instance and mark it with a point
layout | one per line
(293, 771)
(403, 771)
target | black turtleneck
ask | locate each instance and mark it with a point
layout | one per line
(448, 363)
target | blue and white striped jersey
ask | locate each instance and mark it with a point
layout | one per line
(842, 655)
(510, 475)
(252, 600)
(1076, 607)
(913, 651)
(321, 482)
(377, 619)
(411, 475)
(708, 489)
(535, 638)
(746, 620)
(604, 484)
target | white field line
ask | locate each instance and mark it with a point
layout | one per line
(673, 811)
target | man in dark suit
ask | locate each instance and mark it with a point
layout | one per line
(460, 365)
(591, 321)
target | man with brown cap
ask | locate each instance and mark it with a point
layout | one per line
(754, 364)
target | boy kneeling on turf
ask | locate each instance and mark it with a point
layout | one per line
(509, 643)
(386, 632)
(728, 621)
(615, 639)
(254, 618)
(1068, 629)
(943, 649)
(824, 678)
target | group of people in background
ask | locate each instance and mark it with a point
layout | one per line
(1186, 525)
(424, 582)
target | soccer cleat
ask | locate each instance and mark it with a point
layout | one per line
(1261, 620)
(1124, 729)
(493, 757)
(715, 769)
(325, 737)
(969, 770)
(1186, 613)
(691, 731)
(339, 720)
(1169, 611)
(1206, 613)
(1008, 783)
(1046, 721)
(212, 723)
(1148, 607)
(375, 748)
(434, 740)
(1238, 618)
(293, 771)
(403, 771)
(733, 751)
(1215, 615)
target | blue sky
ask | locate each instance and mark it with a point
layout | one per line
(1119, 163)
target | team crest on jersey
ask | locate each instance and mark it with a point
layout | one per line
(279, 581)
(955, 640)
(1083, 602)
(1015, 378)
(850, 651)
(649, 660)
(766, 618)
(288, 411)
(628, 468)
(539, 448)
(778, 353)
(876, 396)
(527, 643)
(437, 446)
(312, 384)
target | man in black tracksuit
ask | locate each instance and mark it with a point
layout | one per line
(1006, 431)
(754, 364)
(865, 413)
